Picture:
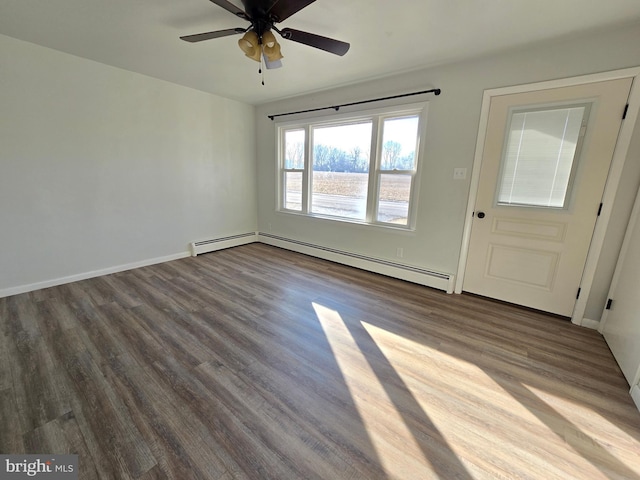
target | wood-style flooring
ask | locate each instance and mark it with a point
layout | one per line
(258, 363)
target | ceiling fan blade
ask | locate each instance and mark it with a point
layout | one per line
(230, 7)
(280, 10)
(199, 37)
(317, 41)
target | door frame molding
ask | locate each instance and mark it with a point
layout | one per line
(634, 219)
(615, 172)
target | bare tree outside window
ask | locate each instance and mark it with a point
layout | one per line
(294, 156)
(391, 154)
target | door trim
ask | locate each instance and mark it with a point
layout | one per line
(615, 172)
(635, 218)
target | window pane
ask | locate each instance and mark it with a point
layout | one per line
(294, 149)
(393, 200)
(343, 148)
(399, 139)
(340, 170)
(293, 191)
(342, 194)
(539, 157)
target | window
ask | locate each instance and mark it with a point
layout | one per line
(540, 156)
(359, 168)
(294, 141)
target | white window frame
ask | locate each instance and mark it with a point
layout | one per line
(377, 117)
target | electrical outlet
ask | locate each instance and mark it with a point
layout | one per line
(399, 252)
(459, 173)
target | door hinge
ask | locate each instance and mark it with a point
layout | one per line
(578, 294)
(609, 303)
(599, 209)
(626, 109)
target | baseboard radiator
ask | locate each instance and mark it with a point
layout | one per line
(438, 280)
(441, 281)
(206, 246)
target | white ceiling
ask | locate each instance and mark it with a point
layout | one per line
(386, 36)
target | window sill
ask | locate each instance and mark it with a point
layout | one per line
(349, 221)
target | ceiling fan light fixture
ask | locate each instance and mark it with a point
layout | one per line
(271, 47)
(250, 45)
(269, 39)
(273, 54)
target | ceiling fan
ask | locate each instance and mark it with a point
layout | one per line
(258, 41)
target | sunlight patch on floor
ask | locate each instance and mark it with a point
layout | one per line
(578, 426)
(441, 371)
(434, 377)
(396, 447)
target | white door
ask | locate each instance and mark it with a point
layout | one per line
(544, 167)
(622, 321)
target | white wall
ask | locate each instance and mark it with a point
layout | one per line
(452, 130)
(101, 167)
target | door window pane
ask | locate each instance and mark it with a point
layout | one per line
(393, 199)
(539, 157)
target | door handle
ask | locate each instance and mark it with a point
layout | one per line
(480, 214)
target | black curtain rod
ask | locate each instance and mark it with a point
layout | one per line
(435, 91)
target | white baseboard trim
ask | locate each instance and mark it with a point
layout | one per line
(635, 394)
(438, 280)
(214, 244)
(589, 323)
(86, 275)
